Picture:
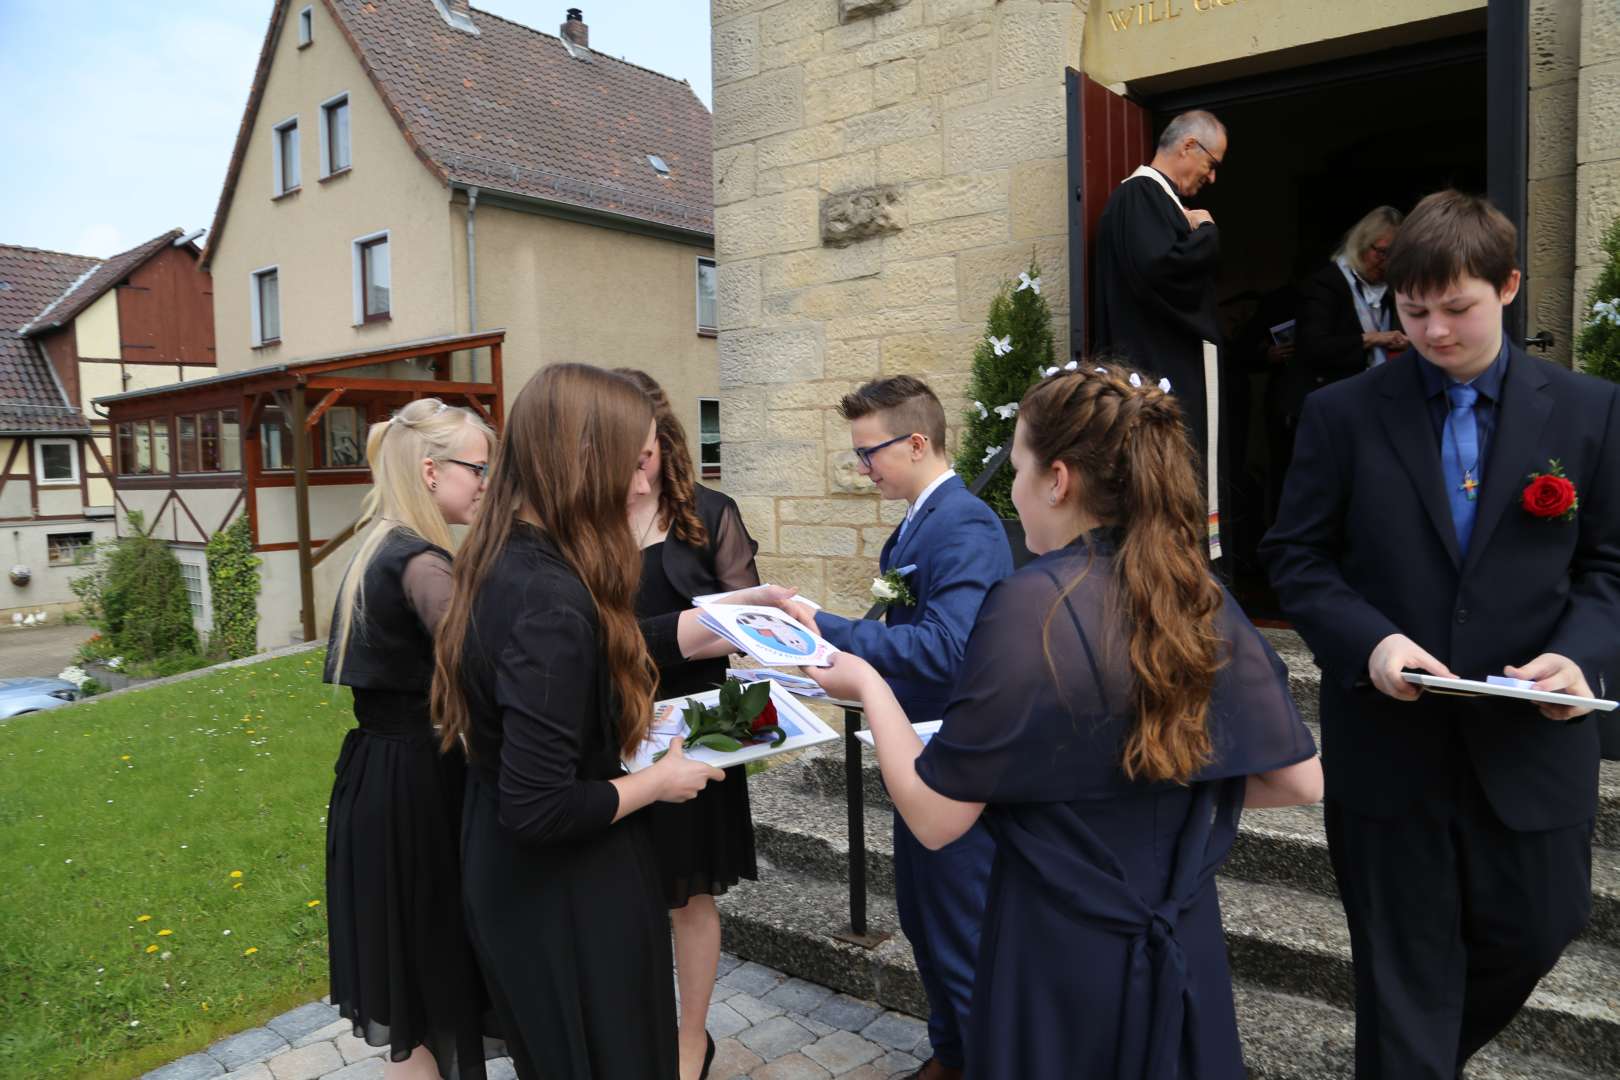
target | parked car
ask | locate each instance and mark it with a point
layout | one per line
(18, 696)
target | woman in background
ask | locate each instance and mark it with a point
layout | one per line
(402, 969)
(692, 542)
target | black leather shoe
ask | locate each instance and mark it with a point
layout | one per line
(934, 1069)
(708, 1057)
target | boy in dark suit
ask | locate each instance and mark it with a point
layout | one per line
(1411, 536)
(951, 548)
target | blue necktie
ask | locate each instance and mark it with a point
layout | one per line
(1459, 460)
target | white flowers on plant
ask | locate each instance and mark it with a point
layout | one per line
(1007, 411)
(983, 412)
(115, 663)
(1001, 345)
(1027, 282)
(75, 675)
(882, 590)
(1606, 311)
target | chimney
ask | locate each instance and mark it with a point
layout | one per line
(575, 30)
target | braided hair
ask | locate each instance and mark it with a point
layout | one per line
(1126, 438)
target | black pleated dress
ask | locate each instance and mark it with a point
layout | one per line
(402, 968)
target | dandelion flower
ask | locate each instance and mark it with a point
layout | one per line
(124, 758)
(236, 884)
(205, 1006)
(250, 950)
(143, 918)
(236, 873)
(151, 948)
(313, 903)
(165, 932)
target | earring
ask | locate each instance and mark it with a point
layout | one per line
(433, 485)
(1051, 500)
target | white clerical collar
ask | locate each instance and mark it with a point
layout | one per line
(1158, 178)
(917, 504)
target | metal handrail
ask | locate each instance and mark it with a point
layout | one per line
(854, 784)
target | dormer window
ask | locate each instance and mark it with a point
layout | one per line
(306, 26)
(658, 165)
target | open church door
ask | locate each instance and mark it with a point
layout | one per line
(1507, 149)
(1109, 137)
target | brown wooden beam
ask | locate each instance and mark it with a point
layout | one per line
(400, 386)
(326, 402)
(295, 408)
(495, 377)
(337, 541)
(472, 399)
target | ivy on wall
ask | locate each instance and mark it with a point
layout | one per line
(233, 583)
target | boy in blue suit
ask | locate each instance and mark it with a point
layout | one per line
(1411, 536)
(951, 548)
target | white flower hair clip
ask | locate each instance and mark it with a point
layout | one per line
(1001, 345)
(1027, 282)
(1100, 370)
(1164, 384)
(1047, 373)
(1136, 380)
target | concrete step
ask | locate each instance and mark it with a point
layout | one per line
(800, 818)
(786, 921)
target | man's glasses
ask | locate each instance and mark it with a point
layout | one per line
(479, 468)
(864, 453)
(1214, 161)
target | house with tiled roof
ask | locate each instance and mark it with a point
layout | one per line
(408, 173)
(74, 328)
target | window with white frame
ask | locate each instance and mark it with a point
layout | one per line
(709, 437)
(56, 461)
(373, 295)
(306, 26)
(706, 315)
(192, 575)
(335, 155)
(284, 151)
(266, 305)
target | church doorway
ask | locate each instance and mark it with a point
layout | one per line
(1313, 146)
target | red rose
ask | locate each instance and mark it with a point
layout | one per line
(766, 717)
(1549, 496)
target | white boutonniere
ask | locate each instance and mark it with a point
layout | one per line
(891, 588)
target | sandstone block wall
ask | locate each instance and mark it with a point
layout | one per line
(881, 166)
(1597, 141)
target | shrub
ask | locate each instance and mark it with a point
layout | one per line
(137, 597)
(233, 584)
(1597, 346)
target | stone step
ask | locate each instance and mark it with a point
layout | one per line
(800, 820)
(786, 921)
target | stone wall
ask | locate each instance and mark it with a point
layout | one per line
(1597, 141)
(881, 166)
(1555, 47)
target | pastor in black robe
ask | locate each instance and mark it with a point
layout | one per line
(1154, 294)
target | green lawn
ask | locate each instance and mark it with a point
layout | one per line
(161, 856)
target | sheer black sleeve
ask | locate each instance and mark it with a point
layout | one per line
(734, 552)
(544, 685)
(427, 582)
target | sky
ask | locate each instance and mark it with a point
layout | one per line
(119, 117)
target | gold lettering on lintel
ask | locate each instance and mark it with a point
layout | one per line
(1153, 12)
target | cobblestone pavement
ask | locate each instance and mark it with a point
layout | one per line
(765, 1024)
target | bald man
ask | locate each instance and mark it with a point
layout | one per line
(1153, 280)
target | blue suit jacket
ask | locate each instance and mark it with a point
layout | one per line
(960, 549)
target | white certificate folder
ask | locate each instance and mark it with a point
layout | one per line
(1474, 687)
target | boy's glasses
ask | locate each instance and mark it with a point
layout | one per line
(864, 453)
(479, 468)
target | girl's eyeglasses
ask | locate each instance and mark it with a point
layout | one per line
(479, 468)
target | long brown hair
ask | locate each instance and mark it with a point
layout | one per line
(677, 497)
(1136, 470)
(572, 441)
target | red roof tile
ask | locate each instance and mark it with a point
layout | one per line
(31, 399)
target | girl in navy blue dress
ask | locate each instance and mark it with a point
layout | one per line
(1115, 712)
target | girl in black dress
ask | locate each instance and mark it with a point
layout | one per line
(1114, 712)
(402, 968)
(546, 676)
(692, 542)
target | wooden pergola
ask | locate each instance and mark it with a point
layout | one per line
(305, 390)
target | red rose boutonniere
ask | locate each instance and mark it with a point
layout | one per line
(1550, 495)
